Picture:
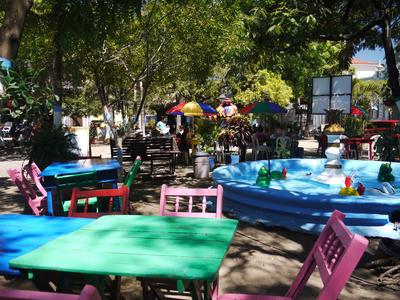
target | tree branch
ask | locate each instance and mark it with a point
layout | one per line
(347, 11)
(350, 37)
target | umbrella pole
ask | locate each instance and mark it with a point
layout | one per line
(269, 163)
(194, 147)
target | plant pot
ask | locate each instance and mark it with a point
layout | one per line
(231, 159)
(211, 160)
(235, 158)
(201, 165)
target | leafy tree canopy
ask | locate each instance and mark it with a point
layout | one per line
(265, 85)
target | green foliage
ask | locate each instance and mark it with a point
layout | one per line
(50, 145)
(179, 50)
(353, 126)
(207, 131)
(368, 92)
(235, 131)
(265, 85)
(23, 98)
(388, 144)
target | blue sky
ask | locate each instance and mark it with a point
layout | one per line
(371, 55)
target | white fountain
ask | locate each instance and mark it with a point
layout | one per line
(333, 175)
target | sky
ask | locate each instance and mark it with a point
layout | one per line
(371, 55)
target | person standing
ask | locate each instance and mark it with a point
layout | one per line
(183, 143)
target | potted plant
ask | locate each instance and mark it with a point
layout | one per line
(235, 131)
(207, 133)
(388, 144)
(50, 144)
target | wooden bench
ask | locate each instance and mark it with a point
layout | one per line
(158, 151)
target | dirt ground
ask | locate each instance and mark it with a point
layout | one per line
(260, 260)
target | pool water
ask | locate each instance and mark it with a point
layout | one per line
(300, 181)
(299, 203)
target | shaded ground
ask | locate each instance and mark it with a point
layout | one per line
(260, 260)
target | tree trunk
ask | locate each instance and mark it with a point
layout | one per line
(13, 25)
(57, 73)
(57, 83)
(309, 120)
(108, 119)
(393, 72)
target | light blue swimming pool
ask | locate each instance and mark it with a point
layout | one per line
(299, 203)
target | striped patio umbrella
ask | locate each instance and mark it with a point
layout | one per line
(358, 110)
(263, 107)
(192, 108)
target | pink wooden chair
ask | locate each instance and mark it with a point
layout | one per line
(336, 254)
(180, 193)
(37, 203)
(184, 199)
(33, 172)
(108, 194)
(88, 293)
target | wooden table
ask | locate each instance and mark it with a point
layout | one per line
(154, 155)
(106, 169)
(20, 234)
(357, 141)
(190, 249)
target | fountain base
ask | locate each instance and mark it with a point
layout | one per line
(332, 176)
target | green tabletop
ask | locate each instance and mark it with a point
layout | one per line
(139, 246)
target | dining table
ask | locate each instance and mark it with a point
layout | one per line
(357, 142)
(20, 234)
(189, 250)
(106, 172)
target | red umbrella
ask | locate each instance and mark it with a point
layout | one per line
(263, 107)
(357, 111)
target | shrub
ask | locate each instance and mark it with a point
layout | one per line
(49, 145)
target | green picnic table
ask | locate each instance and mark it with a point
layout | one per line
(186, 249)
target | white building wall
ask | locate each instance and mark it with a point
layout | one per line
(364, 74)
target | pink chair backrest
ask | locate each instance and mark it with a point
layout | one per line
(336, 254)
(33, 171)
(180, 194)
(88, 293)
(25, 188)
(110, 194)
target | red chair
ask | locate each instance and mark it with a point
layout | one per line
(88, 293)
(37, 204)
(336, 254)
(178, 194)
(105, 196)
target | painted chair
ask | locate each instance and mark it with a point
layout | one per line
(282, 147)
(33, 171)
(105, 198)
(131, 175)
(184, 205)
(257, 148)
(336, 254)
(179, 194)
(365, 150)
(35, 202)
(66, 183)
(88, 293)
